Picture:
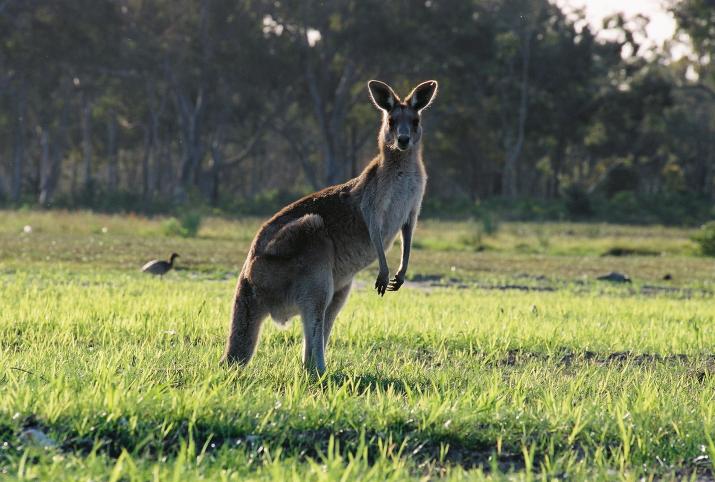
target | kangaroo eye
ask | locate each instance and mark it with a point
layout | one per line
(415, 122)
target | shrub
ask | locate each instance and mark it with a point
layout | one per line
(627, 251)
(706, 239)
(472, 239)
(578, 203)
(624, 207)
(490, 223)
(619, 179)
(542, 236)
(191, 222)
(187, 225)
(172, 227)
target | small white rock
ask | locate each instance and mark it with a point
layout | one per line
(27, 229)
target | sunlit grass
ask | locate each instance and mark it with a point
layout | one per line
(121, 371)
(558, 239)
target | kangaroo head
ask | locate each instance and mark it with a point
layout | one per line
(401, 126)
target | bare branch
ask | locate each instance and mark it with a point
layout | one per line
(235, 160)
(702, 88)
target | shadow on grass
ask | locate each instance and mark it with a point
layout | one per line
(427, 450)
(371, 382)
(424, 352)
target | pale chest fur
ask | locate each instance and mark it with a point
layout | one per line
(401, 194)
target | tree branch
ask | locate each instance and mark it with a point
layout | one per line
(702, 88)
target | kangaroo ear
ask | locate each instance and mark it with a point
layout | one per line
(382, 95)
(422, 95)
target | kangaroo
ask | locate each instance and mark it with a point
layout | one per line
(303, 260)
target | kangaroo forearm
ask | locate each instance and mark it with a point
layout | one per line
(406, 247)
(373, 227)
(380, 250)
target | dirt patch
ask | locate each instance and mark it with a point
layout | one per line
(426, 278)
(622, 251)
(428, 282)
(516, 287)
(568, 358)
(685, 293)
(542, 283)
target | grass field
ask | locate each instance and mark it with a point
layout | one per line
(504, 357)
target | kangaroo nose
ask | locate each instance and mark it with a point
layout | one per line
(403, 140)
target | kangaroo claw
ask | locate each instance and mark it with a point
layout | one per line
(381, 286)
(395, 283)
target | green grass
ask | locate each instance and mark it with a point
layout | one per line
(523, 366)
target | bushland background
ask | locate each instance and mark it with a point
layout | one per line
(142, 106)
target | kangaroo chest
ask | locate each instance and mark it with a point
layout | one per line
(404, 196)
(391, 197)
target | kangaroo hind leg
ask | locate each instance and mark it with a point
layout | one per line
(336, 304)
(313, 305)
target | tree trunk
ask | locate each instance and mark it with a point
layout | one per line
(216, 166)
(710, 173)
(557, 160)
(112, 155)
(45, 165)
(331, 123)
(51, 173)
(190, 116)
(166, 178)
(73, 178)
(353, 153)
(146, 157)
(86, 127)
(511, 164)
(357, 141)
(3, 188)
(154, 162)
(151, 161)
(294, 141)
(19, 147)
(189, 122)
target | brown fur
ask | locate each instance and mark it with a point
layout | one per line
(303, 260)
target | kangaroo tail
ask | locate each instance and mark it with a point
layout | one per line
(246, 318)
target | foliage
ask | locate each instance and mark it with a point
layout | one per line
(172, 227)
(490, 223)
(621, 179)
(473, 238)
(187, 225)
(669, 208)
(136, 106)
(190, 222)
(578, 202)
(705, 238)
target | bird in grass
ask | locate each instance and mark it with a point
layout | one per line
(159, 266)
(615, 277)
